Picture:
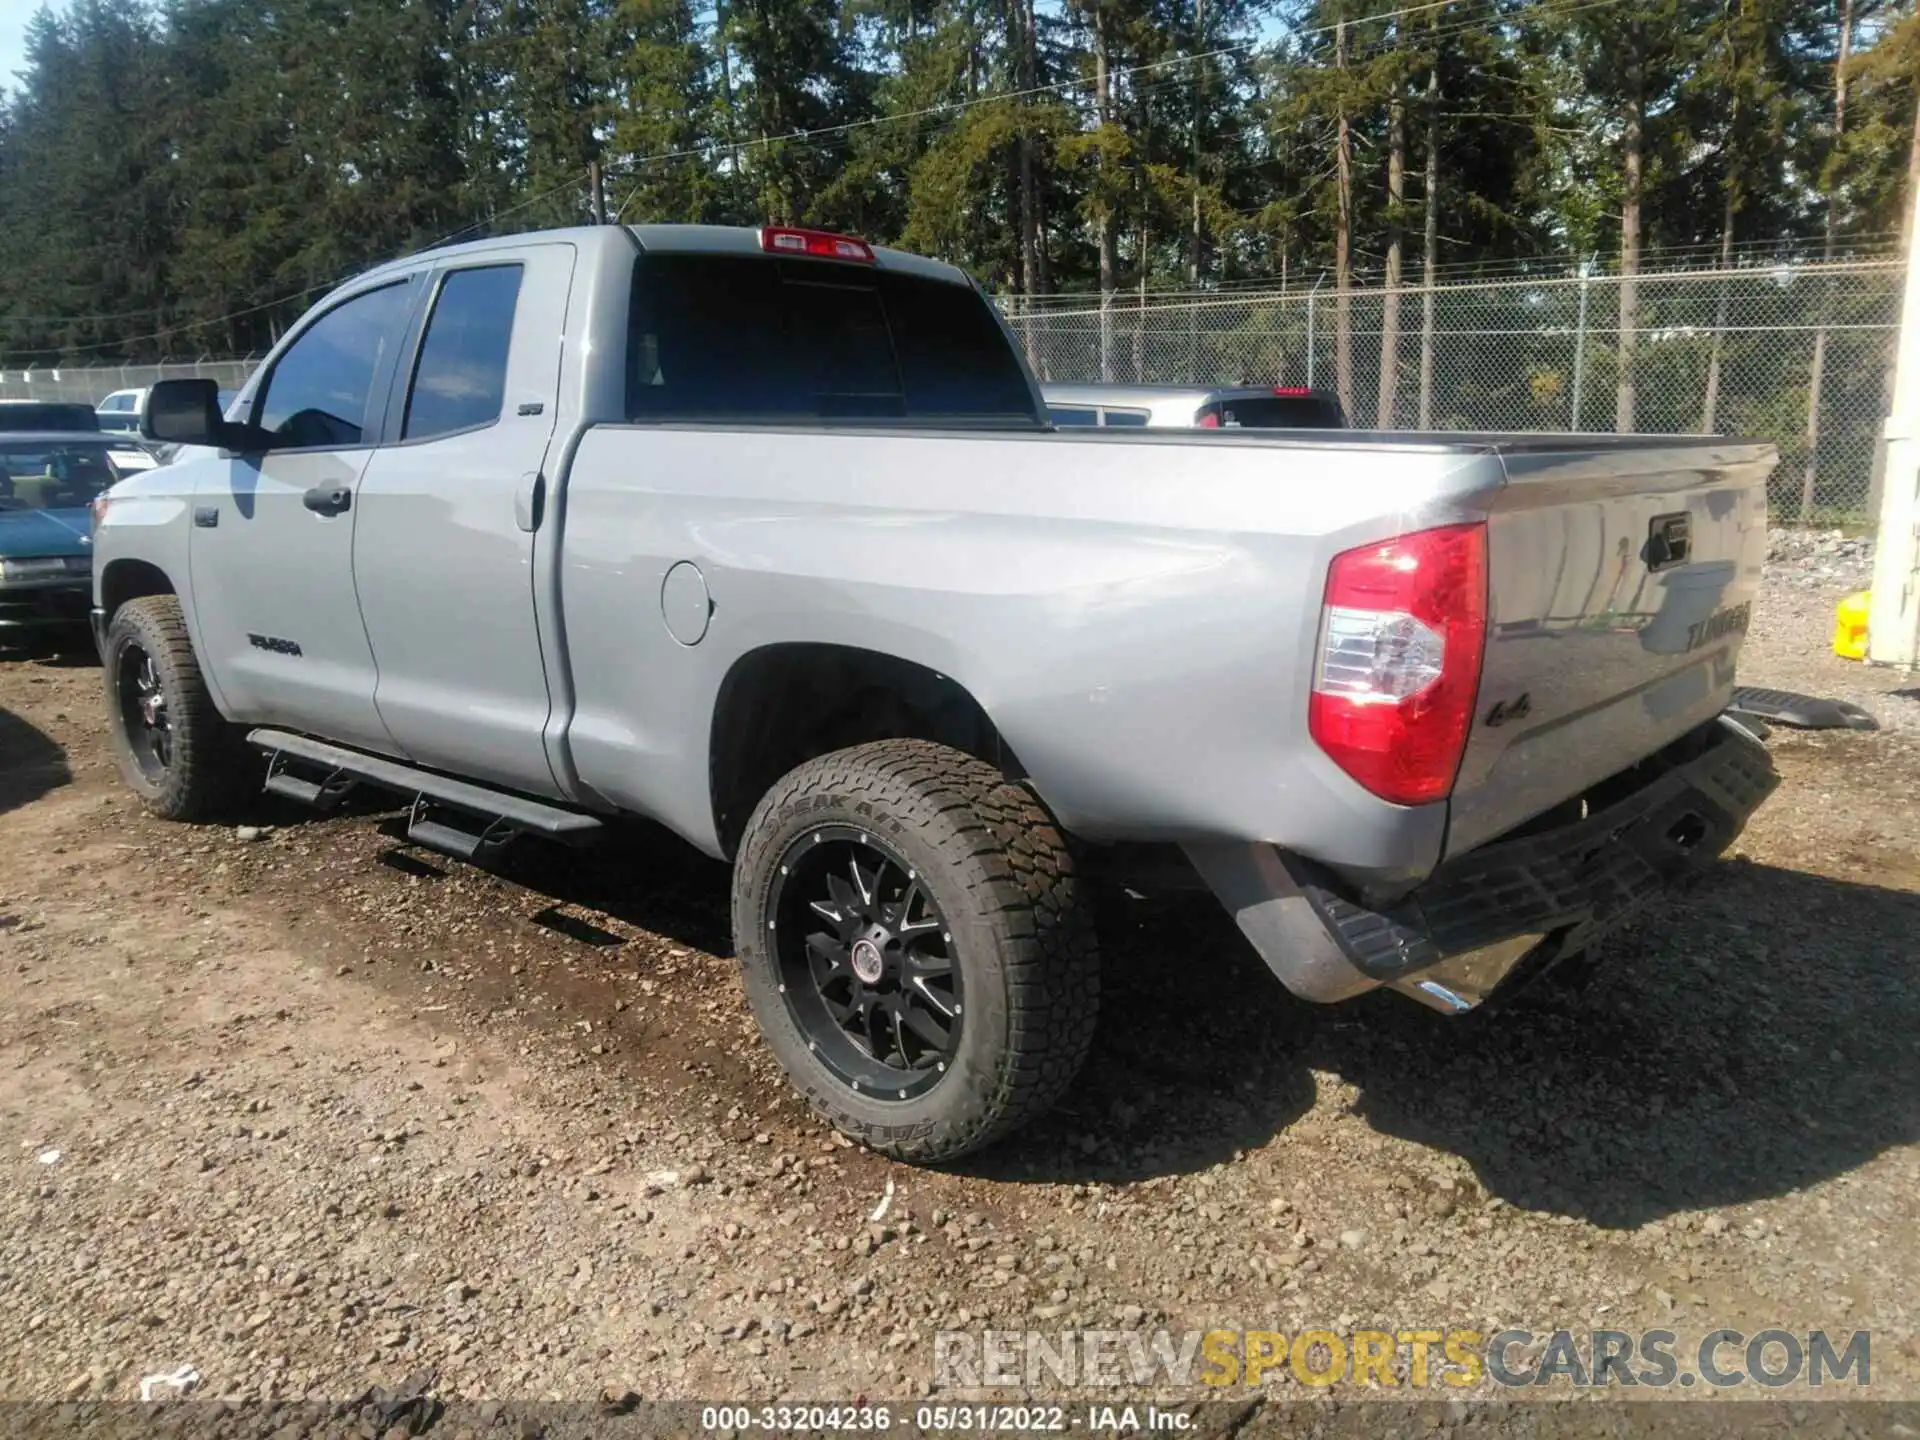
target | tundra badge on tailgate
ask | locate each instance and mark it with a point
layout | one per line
(1721, 622)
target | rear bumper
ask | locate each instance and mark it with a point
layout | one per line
(1540, 892)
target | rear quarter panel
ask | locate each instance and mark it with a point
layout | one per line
(1136, 613)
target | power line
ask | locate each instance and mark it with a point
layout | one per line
(484, 221)
(187, 327)
(956, 107)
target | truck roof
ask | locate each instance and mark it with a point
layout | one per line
(665, 239)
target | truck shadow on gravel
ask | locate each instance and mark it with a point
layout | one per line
(1754, 1039)
(31, 763)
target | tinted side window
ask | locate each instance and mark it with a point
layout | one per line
(460, 380)
(748, 339)
(1124, 417)
(1073, 415)
(317, 393)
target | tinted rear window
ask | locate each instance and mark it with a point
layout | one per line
(744, 339)
(461, 376)
(1282, 412)
(47, 415)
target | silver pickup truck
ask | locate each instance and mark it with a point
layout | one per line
(763, 536)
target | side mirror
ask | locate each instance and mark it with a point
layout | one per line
(184, 412)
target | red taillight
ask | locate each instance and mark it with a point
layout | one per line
(822, 244)
(1401, 639)
(1208, 421)
(1292, 392)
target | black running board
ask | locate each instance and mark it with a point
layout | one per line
(1804, 712)
(324, 793)
(456, 817)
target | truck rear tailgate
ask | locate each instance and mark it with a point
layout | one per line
(1621, 578)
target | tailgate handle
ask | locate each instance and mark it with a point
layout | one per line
(1669, 541)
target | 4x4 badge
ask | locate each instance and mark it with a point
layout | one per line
(1517, 708)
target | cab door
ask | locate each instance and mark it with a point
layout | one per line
(450, 514)
(271, 553)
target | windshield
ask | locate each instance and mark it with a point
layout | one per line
(53, 475)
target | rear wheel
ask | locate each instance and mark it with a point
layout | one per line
(913, 941)
(176, 751)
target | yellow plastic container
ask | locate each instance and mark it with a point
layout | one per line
(1850, 627)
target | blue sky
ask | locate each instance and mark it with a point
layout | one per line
(14, 15)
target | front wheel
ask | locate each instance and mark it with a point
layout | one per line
(914, 944)
(176, 751)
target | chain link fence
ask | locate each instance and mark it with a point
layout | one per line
(90, 384)
(1797, 354)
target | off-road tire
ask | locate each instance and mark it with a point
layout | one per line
(1002, 876)
(211, 770)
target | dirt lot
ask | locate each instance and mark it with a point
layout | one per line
(306, 1108)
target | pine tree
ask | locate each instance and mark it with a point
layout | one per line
(1631, 59)
(795, 80)
(183, 175)
(664, 115)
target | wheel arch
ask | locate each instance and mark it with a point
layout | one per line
(129, 579)
(788, 702)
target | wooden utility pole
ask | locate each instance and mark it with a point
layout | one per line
(1196, 238)
(1396, 199)
(1430, 246)
(597, 190)
(1343, 234)
(1710, 407)
(1630, 196)
(1020, 23)
(1817, 371)
(726, 82)
(1109, 240)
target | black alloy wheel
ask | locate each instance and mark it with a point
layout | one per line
(866, 963)
(143, 710)
(175, 750)
(915, 944)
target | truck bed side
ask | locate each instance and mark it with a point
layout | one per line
(1136, 615)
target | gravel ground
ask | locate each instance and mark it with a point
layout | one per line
(309, 1109)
